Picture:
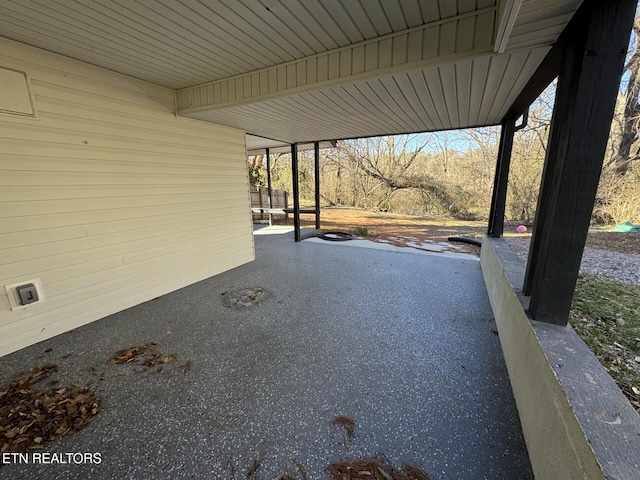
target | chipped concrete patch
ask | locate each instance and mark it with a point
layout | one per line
(244, 297)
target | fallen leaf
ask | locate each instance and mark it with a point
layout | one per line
(384, 474)
(349, 425)
(254, 467)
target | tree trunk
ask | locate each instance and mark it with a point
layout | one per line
(630, 122)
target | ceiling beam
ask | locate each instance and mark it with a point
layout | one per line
(508, 12)
(445, 41)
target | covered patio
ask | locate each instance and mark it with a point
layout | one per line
(124, 195)
(403, 343)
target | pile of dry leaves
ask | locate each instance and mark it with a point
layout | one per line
(32, 419)
(146, 355)
(374, 468)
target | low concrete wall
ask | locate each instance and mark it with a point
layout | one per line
(576, 422)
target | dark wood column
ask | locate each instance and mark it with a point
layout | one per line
(296, 192)
(593, 55)
(316, 171)
(268, 157)
(501, 179)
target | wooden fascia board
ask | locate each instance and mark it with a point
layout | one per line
(446, 41)
(506, 20)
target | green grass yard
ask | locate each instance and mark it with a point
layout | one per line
(607, 317)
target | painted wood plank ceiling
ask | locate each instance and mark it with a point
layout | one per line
(469, 93)
(305, 70)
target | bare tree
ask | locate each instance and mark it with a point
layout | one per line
(257, 172)
(387, 165)
(631, 120)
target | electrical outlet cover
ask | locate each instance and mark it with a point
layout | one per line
(28, 294)
(34, 298)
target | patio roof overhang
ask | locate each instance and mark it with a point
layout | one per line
(310, 70)
(303, 71)
(260, 145)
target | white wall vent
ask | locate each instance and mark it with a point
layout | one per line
(15, 93)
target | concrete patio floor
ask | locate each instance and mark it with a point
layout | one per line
(400, 342)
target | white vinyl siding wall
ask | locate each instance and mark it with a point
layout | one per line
(108, 197)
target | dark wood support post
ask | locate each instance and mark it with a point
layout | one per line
(501, 179)
(269, 177)
(286, 205)
(296, 192)
(260, 204)
(269, 197)
(592, 60)
(316, 171)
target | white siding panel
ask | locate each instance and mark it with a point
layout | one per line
(109, 198)
(479, 72)
(163, 280)
(484, 30)
(411, 10)
(24, 253)
(418, 101)
(533, 60)
(466, 33)
(510, 75)
(46, 236)
(419, 82)
(436, 92)
(4, 302)
(447, 76)
(539, 22)
(385, 102)
(463, 88)
(495, 77)
(430, 11)
(448, 8)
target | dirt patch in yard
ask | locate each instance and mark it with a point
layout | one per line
(399, 228)
(615, 241)
(423, 233)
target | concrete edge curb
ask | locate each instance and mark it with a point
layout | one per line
(576, 421)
